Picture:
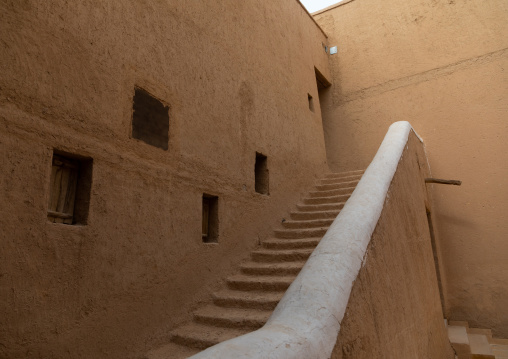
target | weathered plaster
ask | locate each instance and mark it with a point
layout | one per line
(442, 65)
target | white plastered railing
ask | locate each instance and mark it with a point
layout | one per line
(306, 322)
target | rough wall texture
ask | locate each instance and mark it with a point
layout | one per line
(441, 65)
(236, 76)
(394, 310)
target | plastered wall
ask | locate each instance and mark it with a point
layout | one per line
(236, 76)
(394, 310)
(441, 65)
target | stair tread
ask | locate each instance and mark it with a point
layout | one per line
(331, 192)
(479, 344)
(278, 268)
(309, 221)
(237, 314)
(261, 278)
(250, 296)
(345, 173)
(310, 241)
(273, 265)
(206, 335)
(335, 196)
(288, 230)
(341, 179)
(348, 182)
(171, 350)
(320, 207)
(498, 341)
(283, 251)
(316, 213)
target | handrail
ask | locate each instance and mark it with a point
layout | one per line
(306, 322)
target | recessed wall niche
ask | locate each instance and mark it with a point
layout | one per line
(210, 219)
(311, 102)
(261, 178)
(150, 119)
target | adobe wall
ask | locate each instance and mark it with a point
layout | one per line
(441, 65)
(394, 310)
(236, 75)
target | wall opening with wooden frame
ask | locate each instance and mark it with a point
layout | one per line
(210, 223)
(70, 187)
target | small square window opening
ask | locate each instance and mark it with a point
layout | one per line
(150, 119)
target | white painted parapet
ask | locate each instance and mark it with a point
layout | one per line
(306, 322)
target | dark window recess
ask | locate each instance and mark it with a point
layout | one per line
(210, 225)
(261, 174)
(150, 119)
(69, 196)
(311, 102)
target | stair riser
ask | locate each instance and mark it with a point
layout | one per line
(308, 224)
(339, 180)
(286, 244)
(279, 257)
(244, 323)
(344, 174)
(331, 187)
(326, 200)
(245, 303)
(272, 271)
(200, 344)
(308, 216)
(303, 233)
(330, 193)
(319, 207)
(250, 286)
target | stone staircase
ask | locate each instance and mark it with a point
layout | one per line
(473, 343)
(250, 297)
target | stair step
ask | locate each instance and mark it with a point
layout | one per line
(480, 345)
(344, 174)
(291, 243)
(305, 216)
(251, 300)
(458, 323)
(301, 233)
(486, 332)
(232, 317)
(330, 187)
(308, 224)
(203, 336)
(260, 283)
(497, 341)
(340, 180)
(320, 207)
(274, 269)
(171, 350)
(327, 200)
(274, 255)
(331, 192)
(500, 351)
